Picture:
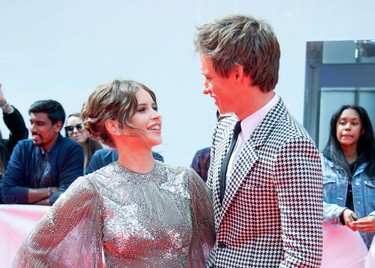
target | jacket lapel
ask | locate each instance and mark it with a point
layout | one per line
(248, 155)
(221, 150)
(246, 159)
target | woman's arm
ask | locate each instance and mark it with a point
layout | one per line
(69, 234)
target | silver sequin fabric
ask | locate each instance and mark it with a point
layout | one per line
(117, 218)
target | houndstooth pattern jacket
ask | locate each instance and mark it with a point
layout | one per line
(272, 210)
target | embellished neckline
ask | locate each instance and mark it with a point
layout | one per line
(131, 172)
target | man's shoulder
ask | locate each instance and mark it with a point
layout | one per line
(294, 128)
(204, 152)
(68, 147)
(285, 124)
(67, 142)
(26, 144)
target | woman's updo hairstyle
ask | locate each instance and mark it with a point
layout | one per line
(113, 101)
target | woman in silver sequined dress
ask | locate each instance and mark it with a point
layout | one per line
(136, 212)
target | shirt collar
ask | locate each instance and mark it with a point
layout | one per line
(43, 152)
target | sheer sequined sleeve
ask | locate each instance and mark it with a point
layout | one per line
(69, 235)
(203, 229)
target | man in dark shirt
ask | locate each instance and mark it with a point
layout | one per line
(103, 157)
(18, 131)
(42, 168)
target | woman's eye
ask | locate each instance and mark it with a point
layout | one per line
(141, 109)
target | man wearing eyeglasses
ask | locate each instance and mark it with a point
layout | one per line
(42, 168)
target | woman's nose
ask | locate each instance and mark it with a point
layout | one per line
(155, 115)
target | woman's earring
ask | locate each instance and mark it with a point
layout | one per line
(118, 133)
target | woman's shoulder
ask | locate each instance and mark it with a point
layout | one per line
(97, 179)
(184, 173)
(82, 188)
(103, 174)
(175, 169)
(85, 181)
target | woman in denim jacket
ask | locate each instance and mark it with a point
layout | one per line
(348, 162)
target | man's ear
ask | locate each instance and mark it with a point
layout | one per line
(57, 126)
(238, 71)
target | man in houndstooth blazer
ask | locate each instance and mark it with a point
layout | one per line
(271, 211)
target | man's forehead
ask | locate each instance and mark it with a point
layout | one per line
(206, 65)
(39, 117)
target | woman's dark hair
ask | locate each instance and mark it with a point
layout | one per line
(90, 146)
(366, 143)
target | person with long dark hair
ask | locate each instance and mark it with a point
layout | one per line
(348, 162)
(75, 130)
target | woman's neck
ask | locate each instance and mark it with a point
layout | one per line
(139, 161)
(86, 153)
(350, 153)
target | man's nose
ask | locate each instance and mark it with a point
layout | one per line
(206, 90)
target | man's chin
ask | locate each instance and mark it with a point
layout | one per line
(37, 143)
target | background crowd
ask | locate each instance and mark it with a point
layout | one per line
(259, 155)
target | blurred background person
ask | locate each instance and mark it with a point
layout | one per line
(18, 131)
(17, 128)
(42, 168)
(201, 162)
(349, 172)
(74, 129)
(202, 157)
